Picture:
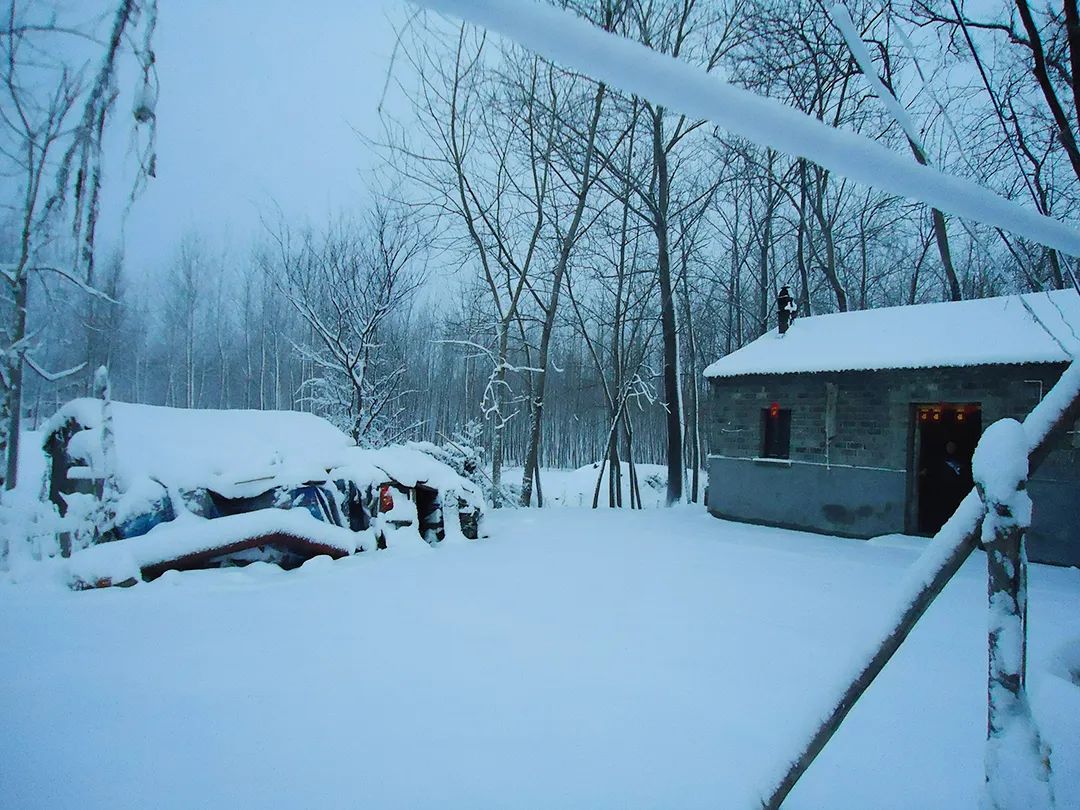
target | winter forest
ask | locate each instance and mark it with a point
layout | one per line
(542, 262)
(772, 305)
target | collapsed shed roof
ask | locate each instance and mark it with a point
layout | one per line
(1033, 328)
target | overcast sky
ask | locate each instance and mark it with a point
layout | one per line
(258, 102)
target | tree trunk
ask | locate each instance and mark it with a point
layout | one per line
(941, 235)
(830, 247)
(498, 428)
(1067, 137)
(693, 432)
(14, 390)
(532, 455)
(800, 246)
(669, 329)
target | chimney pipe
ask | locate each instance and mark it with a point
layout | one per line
(785, 309)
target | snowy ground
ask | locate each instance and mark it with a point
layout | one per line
(576, 487)
(574, 659)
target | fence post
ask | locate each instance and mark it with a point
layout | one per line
(1017, 761)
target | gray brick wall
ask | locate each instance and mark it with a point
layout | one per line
(873, 411)
(869, 488)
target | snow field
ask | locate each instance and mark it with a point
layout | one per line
(576, 487)
(575, 659)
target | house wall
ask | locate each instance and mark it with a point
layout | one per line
(857, 482)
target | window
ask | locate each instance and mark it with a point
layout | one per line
(776, 432)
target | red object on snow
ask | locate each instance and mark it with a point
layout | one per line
(386, 499)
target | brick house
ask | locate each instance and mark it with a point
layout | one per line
(863, 423)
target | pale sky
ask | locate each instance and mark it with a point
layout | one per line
(258, 103)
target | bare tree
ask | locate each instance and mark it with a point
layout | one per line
(52, 123)
(348, 287)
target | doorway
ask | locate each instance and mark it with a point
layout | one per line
(945, 437)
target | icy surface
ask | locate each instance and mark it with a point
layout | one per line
(575, 43)
(985, 331)
(576, 659)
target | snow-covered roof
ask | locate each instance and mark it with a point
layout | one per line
(238, 453)
(408, 466)
(1032, 328)
(196, 447)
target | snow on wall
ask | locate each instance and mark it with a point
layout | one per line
(575, 43)
(988, 331)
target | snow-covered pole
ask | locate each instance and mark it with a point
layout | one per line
(1017, 761)
(108, 492)
(931, 573)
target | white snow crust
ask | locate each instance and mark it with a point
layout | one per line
(188, 534)
(410, 467)
(1000, 462)
(237, 453)
(190, 448)
(987, 331)
(609, 659)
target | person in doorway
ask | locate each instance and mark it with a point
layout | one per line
(954, 479)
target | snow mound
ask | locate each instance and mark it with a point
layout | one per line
(907, 542)
(409, 466)
(1000, 463)
(1065, 662)
(190, 448)
(189, 535)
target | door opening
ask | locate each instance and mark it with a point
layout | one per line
(945, 437)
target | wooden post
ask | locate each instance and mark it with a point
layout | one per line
(1017, 761)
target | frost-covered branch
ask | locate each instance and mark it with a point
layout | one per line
(566, 39)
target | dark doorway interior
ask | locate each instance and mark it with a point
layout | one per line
(945, 439)
(428, 514)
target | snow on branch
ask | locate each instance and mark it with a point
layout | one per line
(842, 19)
(52, 376)
(574, 43)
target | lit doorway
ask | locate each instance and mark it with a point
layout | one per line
(945, 437)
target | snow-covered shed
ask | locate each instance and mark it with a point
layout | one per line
(171, 463)
(864, 423)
